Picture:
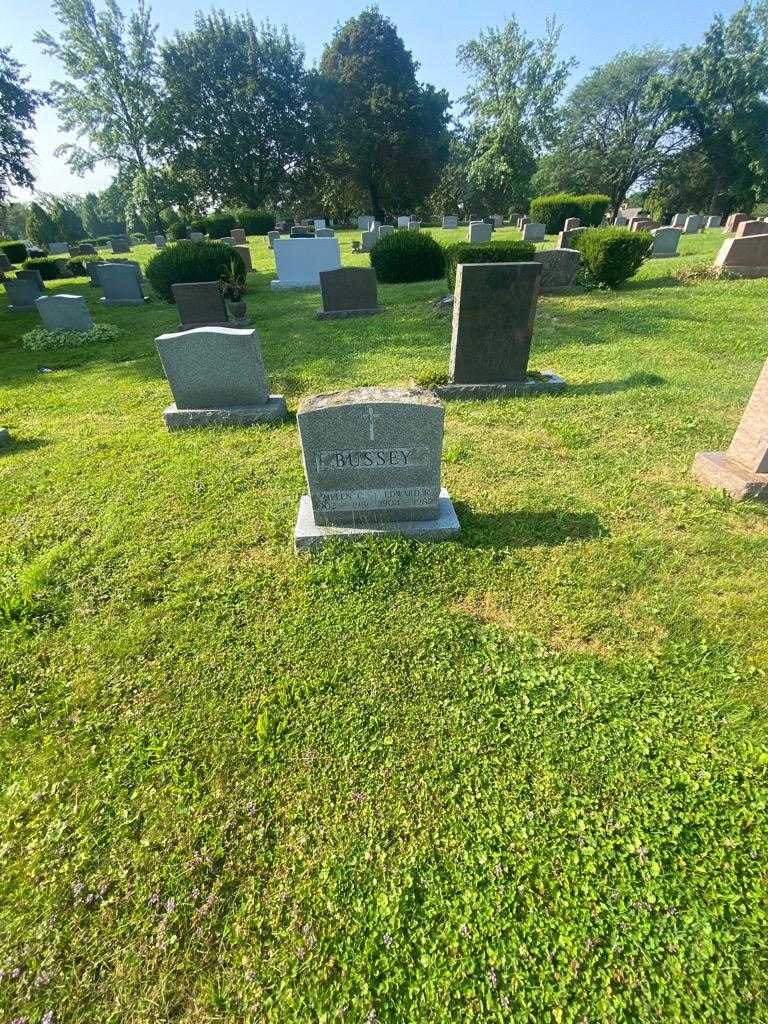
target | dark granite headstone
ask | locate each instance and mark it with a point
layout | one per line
(348, 292)
(31, 275)
(200, 304)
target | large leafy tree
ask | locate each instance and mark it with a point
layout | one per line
(511, 107)
(388, 132)
(719, 91)
(619, 127)
(40, 226)
(18, 105)
(109, 97)
(234, 108)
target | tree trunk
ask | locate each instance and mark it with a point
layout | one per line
(619, 196)
(373, 191)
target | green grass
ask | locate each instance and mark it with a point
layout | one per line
(519, 777)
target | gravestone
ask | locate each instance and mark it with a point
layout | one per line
(348, 292)
(227, 240)
(385, 229)
(368, 239)
(621, 221)
(558, 269)
(478, 231)
(22, 294)
(665, 242)
(239, 236)
(571, 223)
(32, 275)
(414, 225)
(217, 376)
(744, 257)
(533, 232)
(318, 223)
(57, 247)
(712, 222)
(450, 222)
(159, 241)
(271, 236)
(245, 256)
(120, 245)
(324, 233)
(692, 224)
(301, 232)
(565, 238)
(498, 220)
(734, 220)
(643, 224)
(751, 227)
(86, 249)
(300, 260)
(494, 308)
(403, 222)
(200, 304)
(121, 283)
(678, 221)
(372, 460)
(365, 223)
(742, 470)
(5, 263)
(64, 312)
(197, 237)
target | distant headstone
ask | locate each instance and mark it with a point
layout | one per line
(643, 224)
(245, 256)
(121, 283)
(494, 308)
(365, 223)
(372, 460)
(121, 245)
(300, 260)
(227, 240)
(348, 292)
(621, 221)
(744, 257)
(450, 221)
(57, 247)
(692, 224)
(665, 242)
(197, 237)
(742, 470)
(324, 233)
(478, 231)
(159, 241)
(678, 221)
(318, 223)
(414, 225)
(533, 232)
(751, 227)
(498, 220)
(712, 222)
(734, 220)
(368, 239)
(239, 236)
(565, 238)
(385, 229)
(217, 376)
(558, 268)
(5, 263)
(301, 232)
(271, 236)
(34, 276)
(64, 312)
(571, 223)
(86, 249)
(403, 222)
(21, 294)
(200, 304)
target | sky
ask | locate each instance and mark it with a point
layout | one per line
(593, 31)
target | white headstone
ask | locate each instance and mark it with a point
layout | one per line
(403, 222)
(300, 260)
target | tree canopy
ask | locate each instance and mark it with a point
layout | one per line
(18, 105)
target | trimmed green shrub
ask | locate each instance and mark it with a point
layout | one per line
(15, 251)
(40, 338)
(255, 222)
(612, 255)
(177, 230)
(181, 264)
(219, 225)
(47, 268)
(406, 256)
(485, 252)
(553, 211)
(199, 225)
(103, 242)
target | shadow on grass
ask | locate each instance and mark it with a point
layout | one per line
(612, 387)
(526, 528)
(17, 446)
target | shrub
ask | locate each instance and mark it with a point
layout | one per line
(47, 268)
(255, 222)
(611, 255)
(15, 251)
(180, 264)
(219, 225)
(41, 338)
(485, 252)
(407, 256)
(552, 211)
(199, 225)
(103, 242)
(177, 230)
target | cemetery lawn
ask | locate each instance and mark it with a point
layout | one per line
(519, 777)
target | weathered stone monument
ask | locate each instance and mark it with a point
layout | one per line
(31, 275)
(747, 228)
(478, 231)
(498, 220)
(742, 470)
(665, 242)
(744, 257)
(227, 240)
(5, 263)
(245, 256)
(678, 220)
(121, 283)
(325, 233)
(712, 222)
(494, 308)
(21, 294)
(692, 224)
(238, 236)
(558, 269)
(372, 462)
(533, 232)
(301, 232)
(300, 260)
(348, 292)
(200, 304)
(385, 229)
(318, 223)
(449, 221)
(197, 237)
(733, 222)
(217, 376)
(368, 239)
(571, 223)
(414, 225)
(64, 312)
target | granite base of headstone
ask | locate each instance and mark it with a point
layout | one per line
(217, 377)
(742, 470)
(372, 460)
(348, 292)
(64, 313)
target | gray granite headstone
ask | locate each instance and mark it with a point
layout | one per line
(121, 283)
(365, 223)
(121, 245)
(197, 237)
(64, 312)
(571, 223)
(159, 241)
(31, 275)
(200, 304)
(271, 236)
(372, 463)
(217, 376)
(479, 231)
(533, 232)
(678, 220)
(55, 248)
(368, 240)
(665, 242)
(324, 233)
(493, 314)
(245, 256)
(348, 292)
(713, 222)
(239, 236)
(21, 294)
(450, 221)
(385, 229)
(5, 263)
(227, 240)
(558, 268)
(692, 224)
(301, 232)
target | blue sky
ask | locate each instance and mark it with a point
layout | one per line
(593, 31)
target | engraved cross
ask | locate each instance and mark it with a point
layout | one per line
(372, 417)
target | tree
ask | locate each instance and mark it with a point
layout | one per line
(718, 90)
(110, 96)
(387, 132)
(234, 106)
(18, 105)
(39, 226)
(619, 127)
(511, 107)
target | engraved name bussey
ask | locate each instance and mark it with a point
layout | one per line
(374, 458)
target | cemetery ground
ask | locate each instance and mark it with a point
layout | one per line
(520, 776)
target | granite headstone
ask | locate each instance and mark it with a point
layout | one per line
(348, 292)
